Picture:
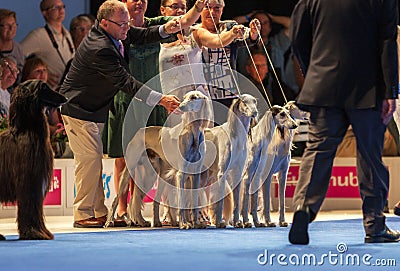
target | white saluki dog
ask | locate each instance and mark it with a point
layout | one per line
(269, 155)
(274, 119)
(230, 141)
(160, 146)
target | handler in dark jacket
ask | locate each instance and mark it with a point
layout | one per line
(348, 53)
(98, 71)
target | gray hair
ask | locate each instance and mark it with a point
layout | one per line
(108, 8)
(218, 2)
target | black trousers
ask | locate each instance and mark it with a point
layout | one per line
(327, 128)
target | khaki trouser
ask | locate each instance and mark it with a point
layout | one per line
(85, 142)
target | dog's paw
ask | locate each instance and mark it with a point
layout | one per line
(2, 238)
(221, 225)
(283, 224)
(144, 224)
(199, 225)
(247, 224)
(270, 224)
(36, 235)
(157, 224)
(109, 224)
(259, 224)
(238, 225)
(185, 226)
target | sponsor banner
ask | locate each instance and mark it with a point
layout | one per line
(343, 183)
(53, 197)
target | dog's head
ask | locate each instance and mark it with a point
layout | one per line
(296, 112)
(282, 117)
(246, 105)
(196, 106)
(193, 101)
(29, 101)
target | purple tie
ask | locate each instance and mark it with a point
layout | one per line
(121, 47)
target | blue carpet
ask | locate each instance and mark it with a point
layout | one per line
(210, 249)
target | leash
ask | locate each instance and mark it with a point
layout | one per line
(187, 55)
(225, 54)
(258, 74)
(272, 66)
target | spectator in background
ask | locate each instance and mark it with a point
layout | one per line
(278, 48)
(8, 30)
(34, 68)
(8, 78)
(257, 72)
(53, 42)
(79, 28)
(222, 86)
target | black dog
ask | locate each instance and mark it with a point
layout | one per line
(26, 156)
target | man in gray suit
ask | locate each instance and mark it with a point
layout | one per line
(348, 54)
(98, 71)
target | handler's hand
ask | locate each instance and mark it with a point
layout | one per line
(172, 26)
(170, 102)
(388, 108)
(255, 28)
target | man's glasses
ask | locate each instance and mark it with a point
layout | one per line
(215, 8)
(60, 7)
(9, 26)
(122, 25)
(176, 7)
(14, 71)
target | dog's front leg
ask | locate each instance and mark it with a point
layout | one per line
(282, 177)
(123, 188)
(266, 188)
(30, 219)
(183, 223)
(235, 177)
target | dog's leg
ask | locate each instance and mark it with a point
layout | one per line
(196, 200)
(282, 187)
(30, 219)
(266, 188)
(245, 201)
(123, 188)
(180, 177)
(156, 203)
(254, 190)
(235, 182)
(219, 205)
(141, 187)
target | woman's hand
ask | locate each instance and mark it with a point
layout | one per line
(255, 28)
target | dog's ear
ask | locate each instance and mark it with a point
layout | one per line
(49, 97)
(275, 110)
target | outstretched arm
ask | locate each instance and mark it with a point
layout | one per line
(210, 40)
(193, 14)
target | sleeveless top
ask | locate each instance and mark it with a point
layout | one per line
(181, 68)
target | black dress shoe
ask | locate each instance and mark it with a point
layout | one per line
(298, 234)
(88, 223)
(396, 210)
(385, 236)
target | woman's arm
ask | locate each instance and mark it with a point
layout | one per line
(205, 38)
(193, 14)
